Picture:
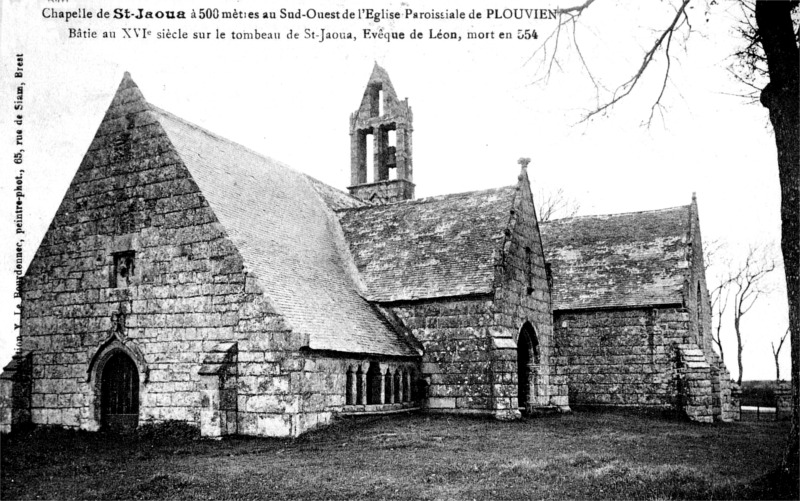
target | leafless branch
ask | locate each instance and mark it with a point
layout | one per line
(776, 353)
(575, 10)
(555, 204)
(627, 87)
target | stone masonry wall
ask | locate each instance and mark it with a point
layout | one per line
(622, 357)
(457, 364)
(470, 359)
(184, 291)
(522, 294)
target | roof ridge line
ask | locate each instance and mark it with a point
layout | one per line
(432, 198)
(586, 216)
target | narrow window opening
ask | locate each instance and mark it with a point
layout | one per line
(391, 153)
(388, 392)
(406, 386)
(397, 386)
(370, 160)
(361, 158)
(373, 384)
(376, 100)
(529, 269)
(548, 270)
(359, 386)
(699, 309)
(349, 387)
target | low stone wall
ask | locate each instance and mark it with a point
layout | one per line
(341, 384)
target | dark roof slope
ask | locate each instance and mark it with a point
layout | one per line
(288, 236)
(633, 259)
(430, 247)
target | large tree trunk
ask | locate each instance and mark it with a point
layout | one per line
(781, 97)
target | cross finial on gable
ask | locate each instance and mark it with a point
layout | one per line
(524, 162)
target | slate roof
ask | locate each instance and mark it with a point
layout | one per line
(430, 247)
(633, 259)
(280, 221)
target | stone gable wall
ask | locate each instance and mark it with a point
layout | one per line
(696, 279)
(189, 290)
(699, 307)
(522, 294)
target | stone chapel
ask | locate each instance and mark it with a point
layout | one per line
(185, 277)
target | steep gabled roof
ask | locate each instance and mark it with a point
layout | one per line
(289, 239)
(430, 247)
(633, 259)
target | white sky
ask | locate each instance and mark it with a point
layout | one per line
(476, 111)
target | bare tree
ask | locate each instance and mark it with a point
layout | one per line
(776, 352)
(719, 294)
(555, 205)
(774, 34)
(719, 303)
(748, 285)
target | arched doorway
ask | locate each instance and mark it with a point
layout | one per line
(119, 393)
(527, 365)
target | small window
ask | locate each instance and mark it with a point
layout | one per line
(529, 269)
(548, 270)
(124, 268)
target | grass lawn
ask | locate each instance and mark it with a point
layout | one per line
(581, 455)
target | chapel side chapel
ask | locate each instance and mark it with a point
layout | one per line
(632, 315)
(185, 277)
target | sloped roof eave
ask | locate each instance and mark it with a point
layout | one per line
(281, 226)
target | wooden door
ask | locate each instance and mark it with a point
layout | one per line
(120, 393)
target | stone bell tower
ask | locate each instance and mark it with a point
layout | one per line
(386, 121)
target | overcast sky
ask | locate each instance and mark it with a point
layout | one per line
(478, 107)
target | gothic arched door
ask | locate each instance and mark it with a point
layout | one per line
(119, 393)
